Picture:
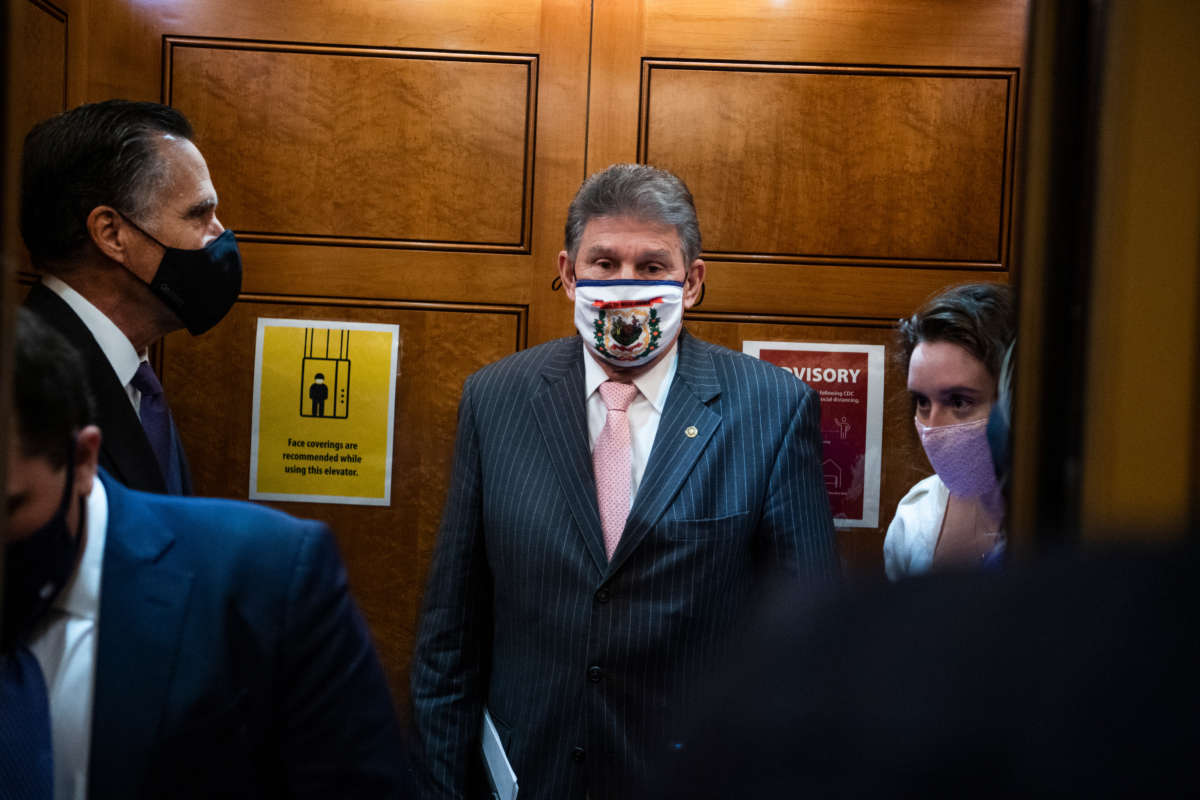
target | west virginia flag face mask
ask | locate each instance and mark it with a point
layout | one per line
(628, 323)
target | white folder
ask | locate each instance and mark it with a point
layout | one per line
(500, 772)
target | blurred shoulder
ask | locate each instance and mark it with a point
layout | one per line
(212, 529)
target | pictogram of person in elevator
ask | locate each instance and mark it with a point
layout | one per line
(318, 392)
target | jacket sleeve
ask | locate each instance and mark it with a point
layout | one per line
(338, 732)
(451, 663)
(796, 525)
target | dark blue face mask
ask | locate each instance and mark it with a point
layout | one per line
(200, 286)
(37, 567)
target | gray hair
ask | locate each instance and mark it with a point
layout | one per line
(100, 154)
(639, 191)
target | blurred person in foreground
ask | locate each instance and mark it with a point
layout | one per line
(1072, 675)
(951, 352)
(157, 646)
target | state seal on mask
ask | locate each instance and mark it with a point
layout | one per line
(625, 322)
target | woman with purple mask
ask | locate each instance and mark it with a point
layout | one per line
(951, 351)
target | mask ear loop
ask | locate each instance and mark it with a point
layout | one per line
(557, 283)
(141, 230)
(70, 470)
(66, 497)
(70, 486)
(703, 289)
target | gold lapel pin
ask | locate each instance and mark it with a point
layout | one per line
(691, 432)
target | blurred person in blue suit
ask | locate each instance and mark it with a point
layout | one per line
(183, 647)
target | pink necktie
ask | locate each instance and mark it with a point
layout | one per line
(611, 461)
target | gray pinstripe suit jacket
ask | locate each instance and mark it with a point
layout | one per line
(583, 662)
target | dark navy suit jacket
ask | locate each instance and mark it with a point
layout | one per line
(125, 451)
(232, 661)
(585, 664)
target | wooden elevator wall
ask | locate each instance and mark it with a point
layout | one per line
(411, 163)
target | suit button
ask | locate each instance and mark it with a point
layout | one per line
(577, 754)
(602, 596)
(595, 674)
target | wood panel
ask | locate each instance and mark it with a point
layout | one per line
(380, 161)
(369, 146)
(930, 33)
(903, 459)
(838, 164)
(413, 162)
(126, 50)
(848, 161)
(210, 381)
(36, 79)
(974, 33)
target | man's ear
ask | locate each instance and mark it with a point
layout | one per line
(87, 459)
(693, 283)
(107, 229)
(566, 273)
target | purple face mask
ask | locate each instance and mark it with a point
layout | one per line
(961, 457)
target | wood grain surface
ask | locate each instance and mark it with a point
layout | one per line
(210, 379)
(413, 162)
(368, 146)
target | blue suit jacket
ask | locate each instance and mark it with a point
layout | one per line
(232, 661)
(584, 663)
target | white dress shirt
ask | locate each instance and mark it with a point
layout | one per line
(65, 647)
(115, 344)
(644, 412)
(912, 537)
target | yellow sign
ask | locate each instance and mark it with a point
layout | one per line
(324, 405)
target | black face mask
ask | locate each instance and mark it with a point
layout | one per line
(37, 567)
(200, 286)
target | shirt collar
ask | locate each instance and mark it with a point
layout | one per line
(654, 384)
(115, 344)
(81, 596)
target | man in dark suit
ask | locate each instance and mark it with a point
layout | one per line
(188, 647)
(119, 213)
(615, 503)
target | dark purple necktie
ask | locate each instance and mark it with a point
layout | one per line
(156, 417)
(26, 753)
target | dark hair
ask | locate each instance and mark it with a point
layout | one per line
(50, 388)
(94, 155)
(978, 317)
(639, 191)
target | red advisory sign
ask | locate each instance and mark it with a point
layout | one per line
(849, 380)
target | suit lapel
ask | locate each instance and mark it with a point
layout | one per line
(124, 450)
(674, 453)
(561, 414)
(143, 602)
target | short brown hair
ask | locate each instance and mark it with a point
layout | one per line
(978, 317)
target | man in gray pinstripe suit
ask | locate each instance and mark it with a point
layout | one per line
(580, 631)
